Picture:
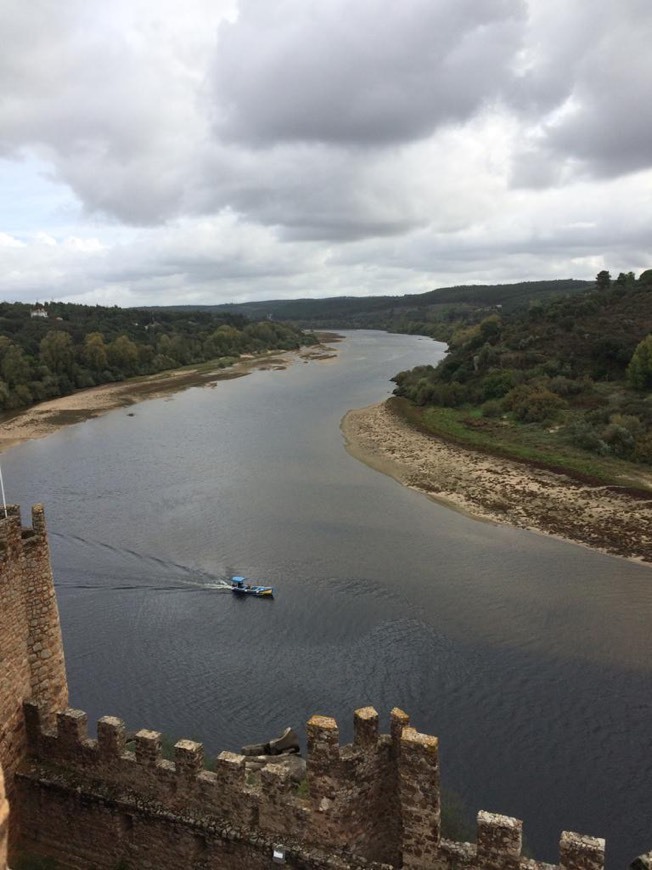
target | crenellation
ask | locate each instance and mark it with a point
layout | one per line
(365, 727)
(420, 799)
(38, 520)
(398, 721)
(499, 841)
(188, 759)
(72, 730)
(148, 747)
(323, 762)
(111, 738)
(363, 815)
(230, 770)
(578, 852)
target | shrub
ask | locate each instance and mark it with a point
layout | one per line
(492, 408)
(562, 386)
(643, 448)
(497, 384)
(584, 435)
(531, 404)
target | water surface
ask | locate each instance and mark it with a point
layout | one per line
(530, 658)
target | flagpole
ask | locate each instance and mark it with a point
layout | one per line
(2, 487)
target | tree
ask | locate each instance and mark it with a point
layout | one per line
(95, 352)
(625, 279)
(15, 367)
(57, 352)
(603, 280)
(639, 370)
(123, 355)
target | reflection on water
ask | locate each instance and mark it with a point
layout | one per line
(530, 658)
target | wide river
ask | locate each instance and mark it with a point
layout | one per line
(529, 657)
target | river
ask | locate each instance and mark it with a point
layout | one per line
(530, 658)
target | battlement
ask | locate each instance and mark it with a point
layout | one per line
(12, 531)
(373, 803)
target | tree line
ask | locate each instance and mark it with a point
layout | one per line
(54, 349)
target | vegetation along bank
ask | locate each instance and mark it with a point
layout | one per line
(542, 415)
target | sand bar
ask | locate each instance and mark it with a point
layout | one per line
(47, 417)
(500, 490)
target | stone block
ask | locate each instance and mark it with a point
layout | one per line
(578, 852)
(365, 727)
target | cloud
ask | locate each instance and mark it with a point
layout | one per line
(367, 73)
(221, 149)
(587, 76)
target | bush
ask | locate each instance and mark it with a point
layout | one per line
(492, 408)
(584, 435)
(643, 448)
(448, 395)
(531, 404)
(619, 440)
(562, 386)
(498, 384)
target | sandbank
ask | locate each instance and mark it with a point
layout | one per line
(47, 417)
(501, 490)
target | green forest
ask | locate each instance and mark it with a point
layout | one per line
(54, 349)
(435, 313)
(551, 381)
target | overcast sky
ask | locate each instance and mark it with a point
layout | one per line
(158, 151)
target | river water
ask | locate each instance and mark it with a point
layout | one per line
(529, 657)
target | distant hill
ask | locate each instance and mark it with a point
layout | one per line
(406, 313)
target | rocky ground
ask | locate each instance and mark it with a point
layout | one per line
(605, 518)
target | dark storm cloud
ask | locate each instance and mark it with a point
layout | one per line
(364, 73)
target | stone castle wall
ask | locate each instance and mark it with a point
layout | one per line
(375, 803)
(31, 651)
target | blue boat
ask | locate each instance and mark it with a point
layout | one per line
(241, 586)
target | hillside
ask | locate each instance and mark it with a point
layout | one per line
(553, 383)
(434, 313)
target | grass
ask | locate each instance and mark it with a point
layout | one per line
(527, 443)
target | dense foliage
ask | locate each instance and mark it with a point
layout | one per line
(68, 347)
(580, 367)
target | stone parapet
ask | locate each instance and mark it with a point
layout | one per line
(373, 803)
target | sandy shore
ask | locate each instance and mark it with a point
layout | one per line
(499, 490)
(47, 417)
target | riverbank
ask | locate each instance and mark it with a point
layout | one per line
(501, 490)
(45, 418)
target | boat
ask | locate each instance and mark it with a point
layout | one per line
(241, 586)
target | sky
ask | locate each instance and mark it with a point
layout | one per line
(157, 152)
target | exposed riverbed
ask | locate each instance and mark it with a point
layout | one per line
(491, 488)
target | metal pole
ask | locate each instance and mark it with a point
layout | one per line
(2, 487)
